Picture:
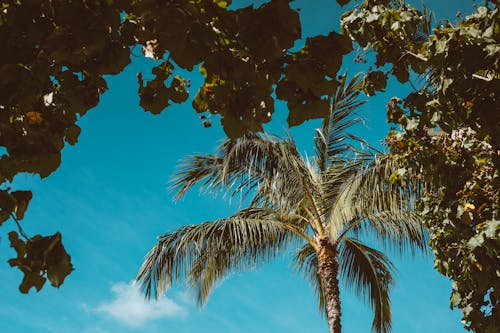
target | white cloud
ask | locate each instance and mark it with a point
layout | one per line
(185, 298)
(131, 309)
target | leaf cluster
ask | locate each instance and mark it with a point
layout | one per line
(449, 134)
(40, 258)
(58, 53)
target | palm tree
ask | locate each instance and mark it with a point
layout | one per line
(321, 206)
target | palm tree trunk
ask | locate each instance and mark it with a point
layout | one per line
(327, 272)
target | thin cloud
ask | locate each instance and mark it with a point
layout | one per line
(95, 330)
(129, 307)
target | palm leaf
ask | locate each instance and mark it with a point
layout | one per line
(270, 169)
(368, 272)
(397, 230)
(371, 203)
(332, 139)
(206, 252)
(306, 262)
(341, 172)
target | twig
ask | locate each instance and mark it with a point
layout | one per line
(487, 79)
(418, 56)
(21, 231)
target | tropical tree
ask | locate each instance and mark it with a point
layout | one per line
(321, 206)
(446, 132)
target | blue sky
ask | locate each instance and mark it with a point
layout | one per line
(109, 200)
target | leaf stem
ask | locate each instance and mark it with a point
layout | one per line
(21, 231)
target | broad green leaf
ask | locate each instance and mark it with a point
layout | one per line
(39, 258)
(22, 199)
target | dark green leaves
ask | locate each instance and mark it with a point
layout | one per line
(343, 2)
(13, 203)
(268, 30)
(450, 131)
(155, 95)
(60, 52)
(242, 53)
(310, 77)
(374, 81)
(40, 258)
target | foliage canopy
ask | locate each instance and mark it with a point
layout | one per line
(449, 136)
(59, 52)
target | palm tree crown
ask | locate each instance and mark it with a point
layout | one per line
(322, 207)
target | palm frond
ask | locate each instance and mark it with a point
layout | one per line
(269, 168)
(341, 171)
(235, 161)
(306, 262)
(373, 203)
(399, 230)
(332, 138)
(204, 253)
(368, 273)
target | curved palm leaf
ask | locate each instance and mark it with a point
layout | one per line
(338, 175)
(400, 230)
(368, 272)
(271, 168)
(331, 139)
(206, 252)
(370, 202)
(306, 261)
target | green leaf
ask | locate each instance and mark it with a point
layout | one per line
(343, 2)
(309, 109)
(199, 103)
(455, 298)
(193, 46)
(222, 3)
(374, 81)
(411, 124)
(58, 261)
(39, 258)
(372, 17)
(31, 280)
(153, 95)
(22, 201)
(401, 73)
(7, 205)
(17, 244)
(72, 134)
(176, 92)
(492, 229)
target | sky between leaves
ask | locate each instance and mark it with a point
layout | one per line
(109, 200)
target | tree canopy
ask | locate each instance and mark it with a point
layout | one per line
(59, 52)
(447, 133)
